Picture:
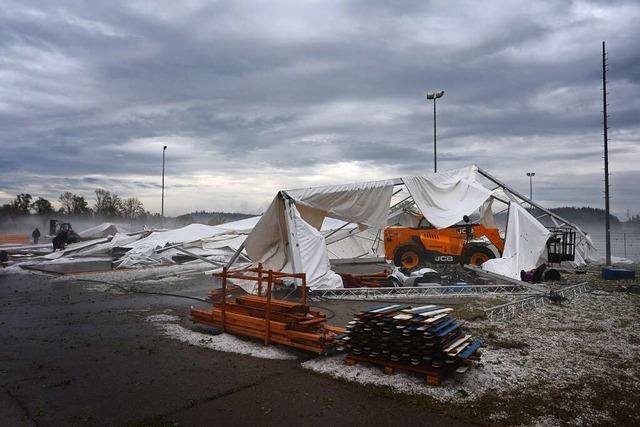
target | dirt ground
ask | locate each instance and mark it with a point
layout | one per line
(78, 352)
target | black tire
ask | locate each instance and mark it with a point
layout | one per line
(476, 255)
(408, 256)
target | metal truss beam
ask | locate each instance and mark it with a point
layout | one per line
(430, 290)
(512, 309)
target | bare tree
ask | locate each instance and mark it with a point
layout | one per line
(107, 203)
(66, 200)
(132, 208)
(103, 199)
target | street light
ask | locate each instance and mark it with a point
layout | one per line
(531, 175)
(162, 205)
(434, 96)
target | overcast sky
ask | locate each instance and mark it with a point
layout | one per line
(252, 97)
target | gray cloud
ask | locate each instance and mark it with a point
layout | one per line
(251, 97)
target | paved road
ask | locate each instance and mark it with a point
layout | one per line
(70, 355)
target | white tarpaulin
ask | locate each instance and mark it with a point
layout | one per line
(206, 237)
(524, 247)
(444, 198)
(313, 256)
(365, 203)
(586, 251)
(103, 230)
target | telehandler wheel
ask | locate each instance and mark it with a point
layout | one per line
(476, 255)
(408, 256)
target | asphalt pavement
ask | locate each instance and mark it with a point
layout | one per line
(74, 355)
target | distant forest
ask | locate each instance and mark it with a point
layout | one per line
(587, 215)
(108, 206)
(27, 211)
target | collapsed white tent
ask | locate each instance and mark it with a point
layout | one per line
(103, 230)
(217, 243)
(221, 240)
(443, 198)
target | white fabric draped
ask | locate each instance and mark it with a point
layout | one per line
(444, 198)
(525, 244)
(365, 203)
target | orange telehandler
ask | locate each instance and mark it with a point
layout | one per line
(410, 247)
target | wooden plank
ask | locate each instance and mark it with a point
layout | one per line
(449, 329)
(436, 312)
(421, 309)
(267, 313)
(456, 343)
(435, 318)
(470, 349)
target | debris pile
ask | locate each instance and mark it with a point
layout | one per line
(425, 339)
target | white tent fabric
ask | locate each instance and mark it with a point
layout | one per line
(525, 244)
(120, 239)
(144, 251)
(364, 203)
(586, 251)
(313, 255)
(486, 214)
(103, 230)
(267, 241)
(444, 198)
(353, 243)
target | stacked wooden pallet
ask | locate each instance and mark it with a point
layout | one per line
(376, 280)
(290, 323)
(426, 340)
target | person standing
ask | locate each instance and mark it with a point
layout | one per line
(36, 236)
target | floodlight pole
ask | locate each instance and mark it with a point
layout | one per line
(162, 203)
(606, 157)
(435, 95)
(531, 175)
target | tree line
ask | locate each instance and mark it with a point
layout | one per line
(107, 204)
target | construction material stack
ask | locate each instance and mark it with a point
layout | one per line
(426, 340)
(291, 323)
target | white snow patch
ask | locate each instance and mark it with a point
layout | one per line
(161, 318)
(223, 342)
(461, 388)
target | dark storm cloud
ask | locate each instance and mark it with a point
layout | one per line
(91, 91)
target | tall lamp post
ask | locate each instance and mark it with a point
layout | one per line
(162, 204)
(434, 96)
(531, 175)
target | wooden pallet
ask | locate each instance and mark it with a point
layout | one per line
(290, 323)
(433, 376)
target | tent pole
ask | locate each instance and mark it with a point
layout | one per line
(201, 258)
(526, 199)
(293, 247)
(235, 256)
